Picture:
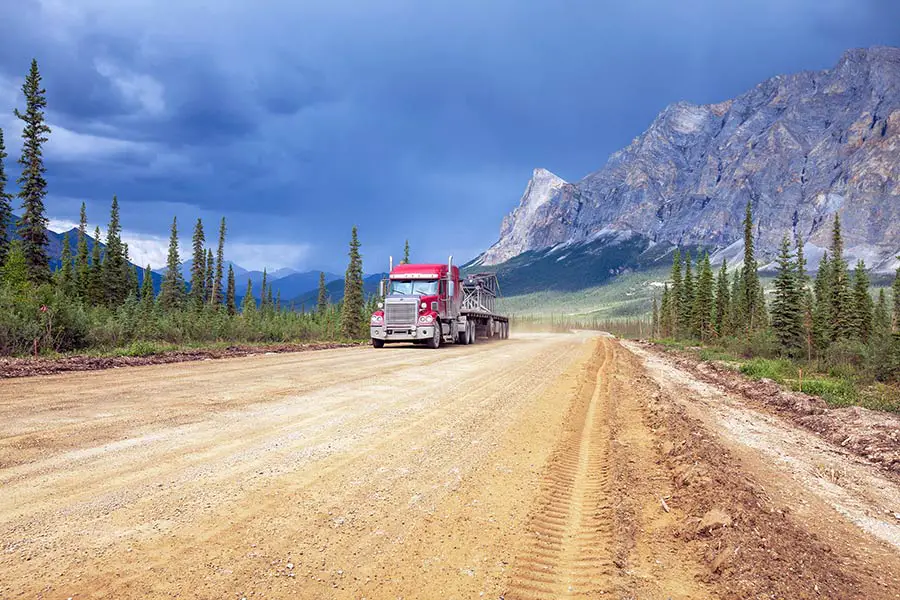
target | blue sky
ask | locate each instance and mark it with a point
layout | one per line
(410, 119)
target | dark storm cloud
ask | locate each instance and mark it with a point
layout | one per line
(399, 116)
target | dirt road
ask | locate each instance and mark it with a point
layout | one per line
(544, 466)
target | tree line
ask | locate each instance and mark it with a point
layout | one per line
(97, 297)
(830, 315)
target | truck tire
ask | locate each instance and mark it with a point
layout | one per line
(435, 342)
(462, 338)
(474, 329)
(377, 343)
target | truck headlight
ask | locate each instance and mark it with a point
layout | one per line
(425, 319)
(377, 320)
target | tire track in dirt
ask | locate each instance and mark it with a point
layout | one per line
(570, 553)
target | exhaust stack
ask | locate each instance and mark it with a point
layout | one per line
(391, 267)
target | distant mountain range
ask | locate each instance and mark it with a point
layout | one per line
(290, 282)
(801, 148)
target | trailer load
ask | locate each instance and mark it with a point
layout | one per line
(430, 304)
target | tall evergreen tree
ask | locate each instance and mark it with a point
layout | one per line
(686, 302)
(704, 308)
(171, 292)
(147, 295)
(736, 322)
(822, 308)
(722, 300)
(65, 278)
(116, 279)
(807, 304)
(322, 303)
(352, 308)
(248, 305)
(787, 315)
(218, 297)
(896, 299)
(264, 290)
(863, 307)
(751, 300)
(198, 266)
(675, 294)
(32, 226)
(842, 310)
(95, 274)
(230, 304)
(278, 301)
(406, 252)
(82, 265)
(654, 319)
(881, 318)
(5, 204)
(210, 275)
(665, 312)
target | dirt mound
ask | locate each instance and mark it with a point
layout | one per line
(871, 434)
(28, 367)
(867, 433)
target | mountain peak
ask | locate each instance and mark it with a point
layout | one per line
(799, 147)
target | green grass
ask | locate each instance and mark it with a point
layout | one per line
(766, 368)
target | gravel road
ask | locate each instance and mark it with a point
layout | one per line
(544, 466)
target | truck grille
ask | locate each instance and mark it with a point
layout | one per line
(400, 313)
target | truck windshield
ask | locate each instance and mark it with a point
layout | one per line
(417, 287)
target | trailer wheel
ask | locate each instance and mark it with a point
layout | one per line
(377, 343)
(462, 337)
(474, 329)
(435, 342)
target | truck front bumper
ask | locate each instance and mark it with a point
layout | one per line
(402, 334)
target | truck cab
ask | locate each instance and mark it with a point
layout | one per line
(419, 303)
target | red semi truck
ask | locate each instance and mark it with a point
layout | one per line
(429, 304)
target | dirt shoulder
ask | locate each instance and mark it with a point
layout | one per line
(873, 435)
(11, 367)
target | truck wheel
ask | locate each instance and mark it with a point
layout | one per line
(462, 338)
(474, 329)
(378, 343)
(435, 342)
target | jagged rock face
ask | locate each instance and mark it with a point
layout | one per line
(799, 147)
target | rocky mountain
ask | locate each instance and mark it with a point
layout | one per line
(799, 147)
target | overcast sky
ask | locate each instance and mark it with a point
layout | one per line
(409, 118)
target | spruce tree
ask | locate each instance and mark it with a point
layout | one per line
(32, 226)
(322, 303)
(218, 297)
(82, 266)
(406, 252)
(230, 304)
(787, 315)
(210, 275)
(881, 318)
(65, 279)
(198, 266)
(686, 302)
(665, 313)
(270, 303)
(278, 301)
(263, 291)
(171, 292)
(248, 305)
(704, 301)
(116, 279)
(736, 322)
(863, 307)
(95, 287)
(147, 295)
(842, 310)
(5, 204)
(821, 324)
(352, 307)
(654, 319)
(675, 294)
(807, 304)
(751, 300)
(722, 301)
(896, 299)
